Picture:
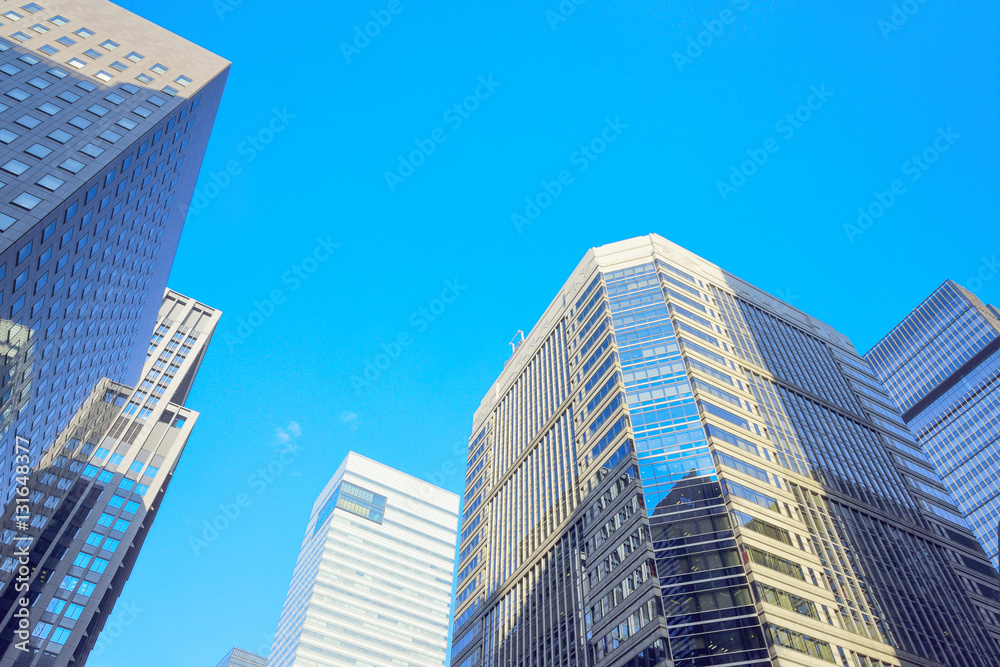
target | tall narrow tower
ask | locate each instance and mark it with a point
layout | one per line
(104, 121)
(74, 529)
(373, 582)
(941, 365)
(676, 468)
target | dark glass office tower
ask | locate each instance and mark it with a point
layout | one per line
(73, 532)
(104, 120)
(676, 468)
(941, 364)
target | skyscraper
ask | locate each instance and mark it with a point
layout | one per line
(104, 120)
(72, 534)
(674, 465)
(941, 365)
(373, 581)
(240, 658)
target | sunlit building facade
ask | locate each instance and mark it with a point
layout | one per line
(941, 364)
(68, 543)
(373, 582)
(104, 121)
(675, 467)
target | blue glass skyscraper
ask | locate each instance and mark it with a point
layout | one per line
(675, 467)
(941, 365)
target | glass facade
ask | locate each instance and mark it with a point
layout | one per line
(98, 167)
(240, 658)
(675, 466)
(942, 366)
(73, 532)
(373, 582)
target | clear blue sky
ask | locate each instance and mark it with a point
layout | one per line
(681, 126)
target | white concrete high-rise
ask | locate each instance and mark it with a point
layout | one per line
(373, 581)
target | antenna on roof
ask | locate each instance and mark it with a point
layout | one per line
(516, 340)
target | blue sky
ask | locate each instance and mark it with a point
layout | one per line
(833, 105)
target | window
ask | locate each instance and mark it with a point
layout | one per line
(9, 69)
(103, 76)
(73, 612)
(48, 50)
(30, 59)
(31, 7)
(116, 501)
(99, 565)
(131, 507)
(39, 83)
(141, 489)
(66, 41)
(129, 88)
(169, 90)
(135, 56)
(18, 94)
(69, 583)
(145, 78)
(50, 182)
(105, 520)
(89, 471)
(110, 544)
(6, 136)
(136, 466)
(86, 588)
(119, 65)
(80, 123)
(86, 85)
(91, 150)
(42, 630)
(49, 108)
(72, 166)
(83, 33)
(126, 484)
(116, 458)
(39, 151)
(39, 28)
(105, 476)
(82, 559)
(59, 635)
(121, 525)
(68, 96)
(183, 80)
(26, 201)
(13, 16)
(55, 606)
(58, 20)
(126, 123)
(20, 36)
(23, 253)
(62, 136)
(27, 121)
(15, 167)
(5, 223)
(142, 111)
(110, 136)
(157, 68)
(92, 54)
(97, 110)
(76, 62)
